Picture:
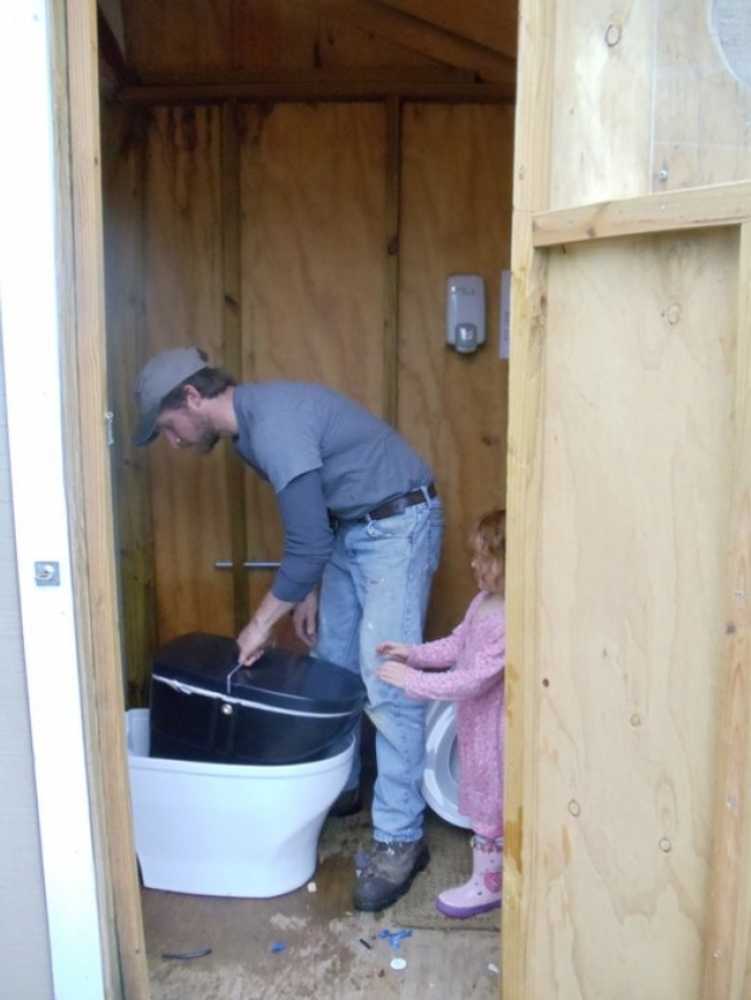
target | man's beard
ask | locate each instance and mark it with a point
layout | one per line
(206, 443)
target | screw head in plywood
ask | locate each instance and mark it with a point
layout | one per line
(673, 313)
(613, 35)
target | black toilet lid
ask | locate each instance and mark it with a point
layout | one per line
(281, 680)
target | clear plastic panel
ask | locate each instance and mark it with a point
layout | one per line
(702, 93)
(649, 97)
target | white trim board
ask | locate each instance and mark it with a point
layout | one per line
(29, 303)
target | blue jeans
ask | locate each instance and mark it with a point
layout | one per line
(375, 588)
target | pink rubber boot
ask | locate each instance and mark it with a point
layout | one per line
(483, 891)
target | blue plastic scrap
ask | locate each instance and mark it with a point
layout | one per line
(278, 946)
(394, 938)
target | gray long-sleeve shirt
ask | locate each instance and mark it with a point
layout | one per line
(322, 453)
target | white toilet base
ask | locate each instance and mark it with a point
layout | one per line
(227, 829)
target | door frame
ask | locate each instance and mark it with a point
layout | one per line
(51, 266)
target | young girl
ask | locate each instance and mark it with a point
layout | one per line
(477, 652)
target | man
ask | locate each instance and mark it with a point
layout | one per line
(362, 527)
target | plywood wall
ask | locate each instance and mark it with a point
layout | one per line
(312, 265)
(650, 103)
(456, 218)
(311, 227)
(183, 305)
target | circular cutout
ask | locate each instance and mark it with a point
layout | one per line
(731, 26)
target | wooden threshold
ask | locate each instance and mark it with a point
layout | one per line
(312, 89)
(690, 208)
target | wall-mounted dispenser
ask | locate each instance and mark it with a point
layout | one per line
(465, 312)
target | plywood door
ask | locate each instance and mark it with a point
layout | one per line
(455, 218)
(636, 492)
(183, 305)
(312, 264)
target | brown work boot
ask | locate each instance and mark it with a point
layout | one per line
(387, 872)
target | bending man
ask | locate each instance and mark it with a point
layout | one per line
(362, 537)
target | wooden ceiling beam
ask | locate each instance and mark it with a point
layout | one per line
(111, 51)
(419, 35)
(310, 87)
(492, 23)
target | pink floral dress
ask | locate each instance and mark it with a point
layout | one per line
(476, 650)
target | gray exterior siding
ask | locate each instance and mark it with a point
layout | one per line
(24, 948)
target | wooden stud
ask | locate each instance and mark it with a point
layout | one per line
(311, 88)
(232, 351)
(726, 938)
(391, 262)
(93, 549)
(690, 208)
(531, 193)
(124, 185)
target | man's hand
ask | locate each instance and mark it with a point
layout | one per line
(252, 641)
(394, 651)
(394, 673)
(305, 618)
(256, 635)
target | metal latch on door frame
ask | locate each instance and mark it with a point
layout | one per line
(47, 573)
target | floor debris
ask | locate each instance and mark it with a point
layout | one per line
(365, 944)
(493, 968)
(278, 946)
(183, 956)
(312, 887)
(394, 938)
(398, 964)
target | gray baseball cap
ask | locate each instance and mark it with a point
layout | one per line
(158, 377)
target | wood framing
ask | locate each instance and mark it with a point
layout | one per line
(690, 208)
(391, 261)
(95, 571)
(420, 35)
(726, 947)
(232, 360)
(531, 189)
(112, 53)
(313, 88)
(489, 22)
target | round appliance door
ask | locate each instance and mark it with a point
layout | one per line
(440, 782)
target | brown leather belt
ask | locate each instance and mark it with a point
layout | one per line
(399, 504)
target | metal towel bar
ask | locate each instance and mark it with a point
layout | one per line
(250, 564)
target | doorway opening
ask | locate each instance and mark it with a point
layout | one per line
(288, 186)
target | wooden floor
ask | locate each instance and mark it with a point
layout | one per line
(323, 955)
